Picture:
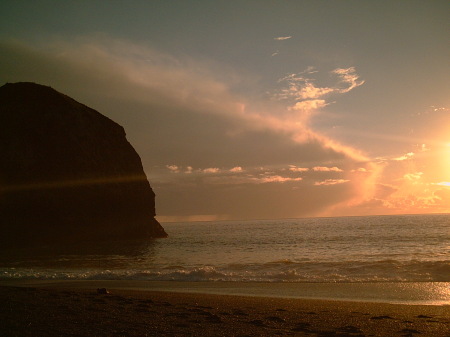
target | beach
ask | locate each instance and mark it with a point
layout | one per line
(78, 309)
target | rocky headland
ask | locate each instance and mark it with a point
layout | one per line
(68, 173)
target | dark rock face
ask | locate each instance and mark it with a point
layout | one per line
(67, 173)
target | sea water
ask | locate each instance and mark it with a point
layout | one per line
(349, 252)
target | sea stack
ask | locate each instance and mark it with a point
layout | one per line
(68, 173)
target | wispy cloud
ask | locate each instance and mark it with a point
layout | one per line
(251, 179)
(208, 170)
(443, 183)
(349, 77)
(211, 170)
(406, 156)
(413, 176)
(281, 38)
(300, 87)
(275, 179)
(294, 168)
(329, 182)
(304, 97)
(434, 109)
(309, 105)
(327, 169)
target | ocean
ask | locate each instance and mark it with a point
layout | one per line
(405, 257)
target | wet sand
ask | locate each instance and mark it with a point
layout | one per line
(62, 309)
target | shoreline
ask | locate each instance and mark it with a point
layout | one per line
(77, 309)
(407, 293)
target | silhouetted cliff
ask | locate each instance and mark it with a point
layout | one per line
(67, 172)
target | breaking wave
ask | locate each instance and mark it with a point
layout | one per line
(276, 271)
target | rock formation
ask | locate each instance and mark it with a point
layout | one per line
(67, 172)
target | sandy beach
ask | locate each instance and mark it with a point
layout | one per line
(69, 309)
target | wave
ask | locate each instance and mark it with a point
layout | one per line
(276, 271)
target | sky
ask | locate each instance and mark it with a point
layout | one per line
(257, 109)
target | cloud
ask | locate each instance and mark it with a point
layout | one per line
(443, 195)
(413, 176)
(439, 109)
(249, 179)
(409, 155)
(281, 38)
(211, 170)
(275, 179)
(360, 169)
(305, 99)
(349, 77)
(443, 183)
(309, 105)
(436, 201)
(327, 169)
(294, 168)
(236, 169)
(173, 168)
(300, 87)
(328, 182)
(310, 91)
(208, 170)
